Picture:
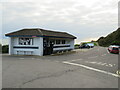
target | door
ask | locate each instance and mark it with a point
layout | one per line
(47, 46)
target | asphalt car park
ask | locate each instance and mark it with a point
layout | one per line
(74, 69)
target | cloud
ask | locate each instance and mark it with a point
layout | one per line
(83, 18)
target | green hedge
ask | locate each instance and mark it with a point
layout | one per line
(5, 49)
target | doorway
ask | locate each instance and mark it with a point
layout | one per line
(47, 46)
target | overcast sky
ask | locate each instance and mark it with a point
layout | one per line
(86, 19)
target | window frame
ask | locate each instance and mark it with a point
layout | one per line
(57, 41)
(24, 41)
(63, 42)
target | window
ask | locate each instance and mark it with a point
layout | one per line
(57, 41)
(25, 41)
(53, 41)
(63, 41)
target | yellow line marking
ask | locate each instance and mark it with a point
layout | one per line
(118, 72)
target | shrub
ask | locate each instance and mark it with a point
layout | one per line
(5, 48)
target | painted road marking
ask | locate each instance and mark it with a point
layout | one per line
(77, 60)
(104, 64)
(103, 55)
(100, 63)
(93, 69)
(90, 62)
(110, 65)
(108, 51)
(93, 57)
(118, 72)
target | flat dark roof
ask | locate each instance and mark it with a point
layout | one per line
(40, 33)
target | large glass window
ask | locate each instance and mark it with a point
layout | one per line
(53, 41)
(63, 41)
(25, 41)
(57, 41)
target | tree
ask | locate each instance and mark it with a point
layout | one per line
(111, 39)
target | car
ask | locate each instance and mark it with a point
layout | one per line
(91, 45)
(114, 49)
(84, 46)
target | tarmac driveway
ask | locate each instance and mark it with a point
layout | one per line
(51, 72)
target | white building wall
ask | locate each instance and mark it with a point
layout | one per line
(15, 41)
(72, 44)
(68, 42)
(10, 47)
(37, 42)
(11, 41)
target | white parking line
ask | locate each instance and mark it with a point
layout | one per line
(103, 55)
(110, 65)
(108, 51)
(93, 57)
(103, 63)
(93, 69)
(77, 60)
(107, 65)
(91, 62)
(100, 63)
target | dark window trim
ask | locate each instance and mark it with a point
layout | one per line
(26, 47)
(61, 46)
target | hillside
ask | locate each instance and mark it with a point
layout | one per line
(112, 38)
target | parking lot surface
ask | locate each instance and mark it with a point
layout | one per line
(82, 68)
